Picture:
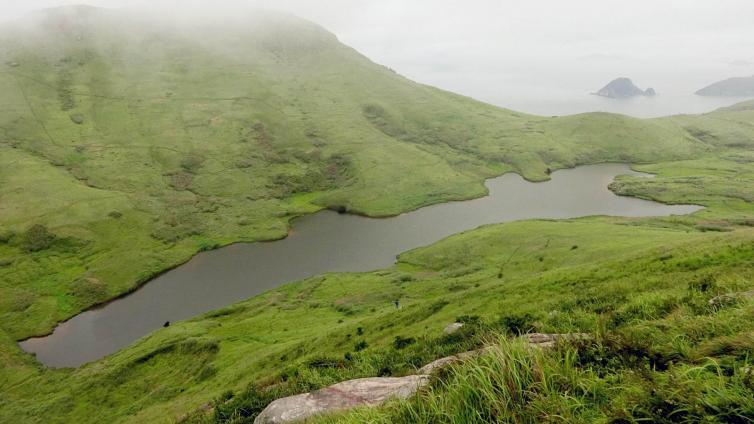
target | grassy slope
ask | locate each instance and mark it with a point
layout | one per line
(197, 145)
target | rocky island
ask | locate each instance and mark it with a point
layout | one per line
(731, 87)
(621, 88)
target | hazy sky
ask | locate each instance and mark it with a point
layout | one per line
(541, 56)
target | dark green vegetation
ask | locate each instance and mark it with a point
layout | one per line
(127, 146)
(738, 86)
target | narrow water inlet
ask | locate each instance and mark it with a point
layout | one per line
(329, 242)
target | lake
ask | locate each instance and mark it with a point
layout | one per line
(328, 242)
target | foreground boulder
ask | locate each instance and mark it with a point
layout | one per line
(345, 395)
(374, 391)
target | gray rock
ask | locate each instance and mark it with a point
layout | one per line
(374, 391)
(536, 340)
(439, 364)
(728, 298)
(452, 328)
(452, 359)
(345, 395)
(546, 341)
(77, 118)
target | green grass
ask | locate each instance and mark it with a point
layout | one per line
(621, 275)
(196, 145)
(133, 144)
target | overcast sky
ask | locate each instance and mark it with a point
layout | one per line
(510, 52)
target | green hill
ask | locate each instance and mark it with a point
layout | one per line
(138, 142)
(128, 141)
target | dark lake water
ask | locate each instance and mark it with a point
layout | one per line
(326, 242)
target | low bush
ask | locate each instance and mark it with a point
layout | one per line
(36, 238)
(517, 323)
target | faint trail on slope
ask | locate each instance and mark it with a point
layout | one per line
(33, 112)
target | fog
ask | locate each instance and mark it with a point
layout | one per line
(540, 56)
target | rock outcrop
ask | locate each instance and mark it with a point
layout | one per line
(345, 395)
(374, 391)
(621, 88)
(546, 341)
(452, 328)
(728, 298)
(450, 360)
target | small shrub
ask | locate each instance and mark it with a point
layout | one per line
(192, 163)
(225, 396)
(437, 306)
(89, 289)
(713, 227)
(6, 236)
(206, 372)
(469, 319)
(340, 209)
(243, 407)
(403, 278)
(206, 245)
(324, 362)
(181, 181)
(666, 256)
(345, 309)
(703, 284)
(518, 323)
(37, 238)
(457, 287)
(358, 347)
(402, 342)
(21, 301)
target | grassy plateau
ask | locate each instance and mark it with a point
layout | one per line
(128, 145)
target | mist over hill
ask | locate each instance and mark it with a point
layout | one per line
(731, 87)
(131, 141)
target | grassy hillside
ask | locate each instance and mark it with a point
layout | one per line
(128, 141)
(142, 143)
(645, 283)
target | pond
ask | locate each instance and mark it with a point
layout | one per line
(329, 242)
